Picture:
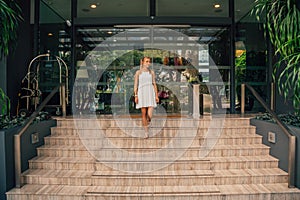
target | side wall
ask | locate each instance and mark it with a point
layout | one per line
(28, 151)
(279, 149)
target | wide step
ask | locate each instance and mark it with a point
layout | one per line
(143, 153)
(237, 162)
(278, 191)
(156, 178)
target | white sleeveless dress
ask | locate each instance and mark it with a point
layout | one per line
(146, 94)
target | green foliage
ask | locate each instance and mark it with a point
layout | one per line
(4, 104)
(281, 19)
(7, 122)
(288, 119)
(240, 67)
(9, 22)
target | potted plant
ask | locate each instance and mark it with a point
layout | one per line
(10, 16)
(9, 126)
(281, 21)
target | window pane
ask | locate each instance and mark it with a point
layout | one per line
(55, 11)
(54, 38)
(242, 9)
(115, 8)
(192, 8)
(251, 61)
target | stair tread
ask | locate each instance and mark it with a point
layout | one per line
(184, 159)
(243, 158)
(82, 147)
(159, 174)
(181, 127)
(62, 190)
(74, 137)
(156, 127)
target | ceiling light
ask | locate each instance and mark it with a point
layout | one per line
(217, 5)
(50, 34)
(93, 6)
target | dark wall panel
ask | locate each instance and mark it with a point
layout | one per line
(18, 61)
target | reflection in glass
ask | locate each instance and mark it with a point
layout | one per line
(179, 60)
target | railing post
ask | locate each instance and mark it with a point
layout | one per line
(196, 112)
(242, 98)
(272, 96)
(63, 98)
(17, 152)
(292, 158)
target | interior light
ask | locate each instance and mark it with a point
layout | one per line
(50, 34)
(217, 5)
(239, 53)
(110, 32)
(239, 48)
(93, 6)
(153, 26)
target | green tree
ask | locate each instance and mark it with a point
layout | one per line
(10, 16)
(281, 19)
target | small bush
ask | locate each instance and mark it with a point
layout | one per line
(11, 122)
(288, 119)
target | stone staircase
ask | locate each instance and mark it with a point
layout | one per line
(213, 158)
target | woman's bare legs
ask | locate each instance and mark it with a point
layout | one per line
(145, 121)
(149, 114)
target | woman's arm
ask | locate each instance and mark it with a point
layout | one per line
(135, 86)
(154, 86)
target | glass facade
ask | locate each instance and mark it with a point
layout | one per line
(180, 57)
(54, 38)
(54, 33)
(243, 9)
(191, 8)
(118, 8)
(251, 61)
(112, 52)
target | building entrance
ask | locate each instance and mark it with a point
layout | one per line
(181, 57)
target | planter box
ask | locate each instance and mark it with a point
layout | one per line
(28, 151)
(279, 149)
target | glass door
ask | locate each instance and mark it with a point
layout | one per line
(182, 56)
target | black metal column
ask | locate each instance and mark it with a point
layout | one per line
(36, 26)
(152, 9)
(73, 48)
(232, 56)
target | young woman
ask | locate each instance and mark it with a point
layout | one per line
(145, 92)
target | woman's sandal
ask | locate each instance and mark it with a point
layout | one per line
(146, 135)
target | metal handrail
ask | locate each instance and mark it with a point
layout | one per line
(288, 132)
(17, 137)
